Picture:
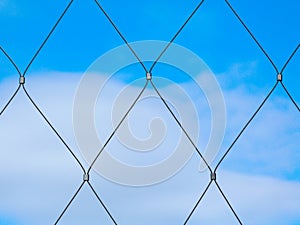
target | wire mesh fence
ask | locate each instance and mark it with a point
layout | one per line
(212, 181)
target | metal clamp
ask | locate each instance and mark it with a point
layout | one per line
(149, 76)
(213, 176)
(22, 80)
(86, 177)
(279, 77)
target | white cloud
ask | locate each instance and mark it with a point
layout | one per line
(39, 176)
(269, 143)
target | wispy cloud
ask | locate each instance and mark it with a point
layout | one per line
(2, 3)
(8, 8)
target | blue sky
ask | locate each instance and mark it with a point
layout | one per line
(260, 176)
